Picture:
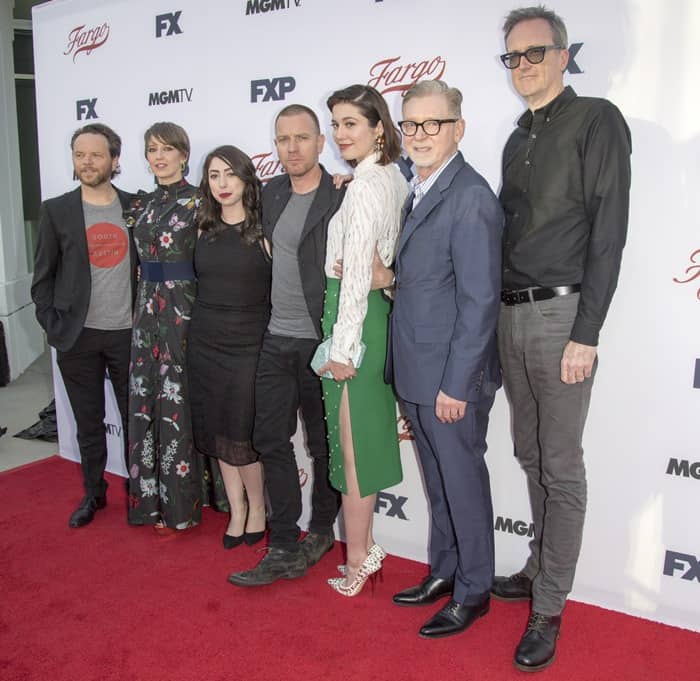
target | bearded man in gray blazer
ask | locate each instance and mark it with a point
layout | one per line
(443, 356)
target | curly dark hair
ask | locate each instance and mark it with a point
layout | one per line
(210, 208)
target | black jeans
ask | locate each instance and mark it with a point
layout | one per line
(284, 383)
(83, 371)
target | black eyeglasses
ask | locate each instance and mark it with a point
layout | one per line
(430, 127)
(535, 55)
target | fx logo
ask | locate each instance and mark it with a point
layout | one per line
(394, 505)
(168, 23)
(85, 109)
(678, 561)
(273, 89)
(572, 67)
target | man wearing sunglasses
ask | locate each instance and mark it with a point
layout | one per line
(565, 194)
(442, 351)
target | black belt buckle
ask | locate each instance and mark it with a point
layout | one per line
(536, 294)
(514, 297)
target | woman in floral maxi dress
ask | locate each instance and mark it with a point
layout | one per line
(168, 480)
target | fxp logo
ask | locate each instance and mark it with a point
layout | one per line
(271, 89)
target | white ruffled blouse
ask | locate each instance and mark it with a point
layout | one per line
(369, 215)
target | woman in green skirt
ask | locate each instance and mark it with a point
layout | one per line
(360, 407)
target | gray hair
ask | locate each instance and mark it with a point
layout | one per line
(559, 36)
(426, 88)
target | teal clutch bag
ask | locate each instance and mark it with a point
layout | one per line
(323, 353)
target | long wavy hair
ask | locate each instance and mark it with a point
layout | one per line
(210, 208)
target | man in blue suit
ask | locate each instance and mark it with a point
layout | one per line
(443, 356)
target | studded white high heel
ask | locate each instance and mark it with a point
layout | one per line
(371, 566)
(375, 549)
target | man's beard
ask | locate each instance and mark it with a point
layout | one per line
(95, 178)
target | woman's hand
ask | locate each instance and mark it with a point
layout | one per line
(339, 180)
(382, 277)
(339, 371)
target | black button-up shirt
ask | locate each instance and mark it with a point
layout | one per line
(566, 180)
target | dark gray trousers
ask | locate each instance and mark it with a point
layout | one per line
(548, 418)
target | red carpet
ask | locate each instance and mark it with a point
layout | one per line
(112, 602)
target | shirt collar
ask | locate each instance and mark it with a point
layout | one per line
(421, 187)
(560, 102)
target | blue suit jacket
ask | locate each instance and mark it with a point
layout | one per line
(448, 285)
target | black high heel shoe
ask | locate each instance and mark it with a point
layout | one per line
(231, 542)
(251, 538)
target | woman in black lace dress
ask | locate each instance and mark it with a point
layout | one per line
(168, 481)
(229, 318)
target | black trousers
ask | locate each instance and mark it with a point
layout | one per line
(83, 370)
(284, 384)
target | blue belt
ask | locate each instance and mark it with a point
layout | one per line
(167, 271)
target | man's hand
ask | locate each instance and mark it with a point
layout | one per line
(382, 277)
(339, 371)
(448, 409)
(577, 362)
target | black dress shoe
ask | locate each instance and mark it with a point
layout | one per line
(517, 587)
(538, 644)
(453, 618)
(86, 511)
(232, 541)
(428, 591)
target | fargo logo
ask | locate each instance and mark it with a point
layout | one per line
(170, 97)
(571, 66)
(168, 24)
(391, 505)
(266, 166)
(683, 468)
(692, 271)
(85, 40)
(85, 109)
(519, 527)
(685, 562)
(389, 75)
(271, 89)
(263, 6)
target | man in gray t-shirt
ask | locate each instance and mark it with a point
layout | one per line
(82, 289)
(297, 208)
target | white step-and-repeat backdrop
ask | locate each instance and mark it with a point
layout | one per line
(223, 68)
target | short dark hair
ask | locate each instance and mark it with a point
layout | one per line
(114, 142)
(210, 208)
(374, 108)
(556, 23)
(298, 110)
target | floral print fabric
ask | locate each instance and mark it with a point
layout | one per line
(168, 480)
